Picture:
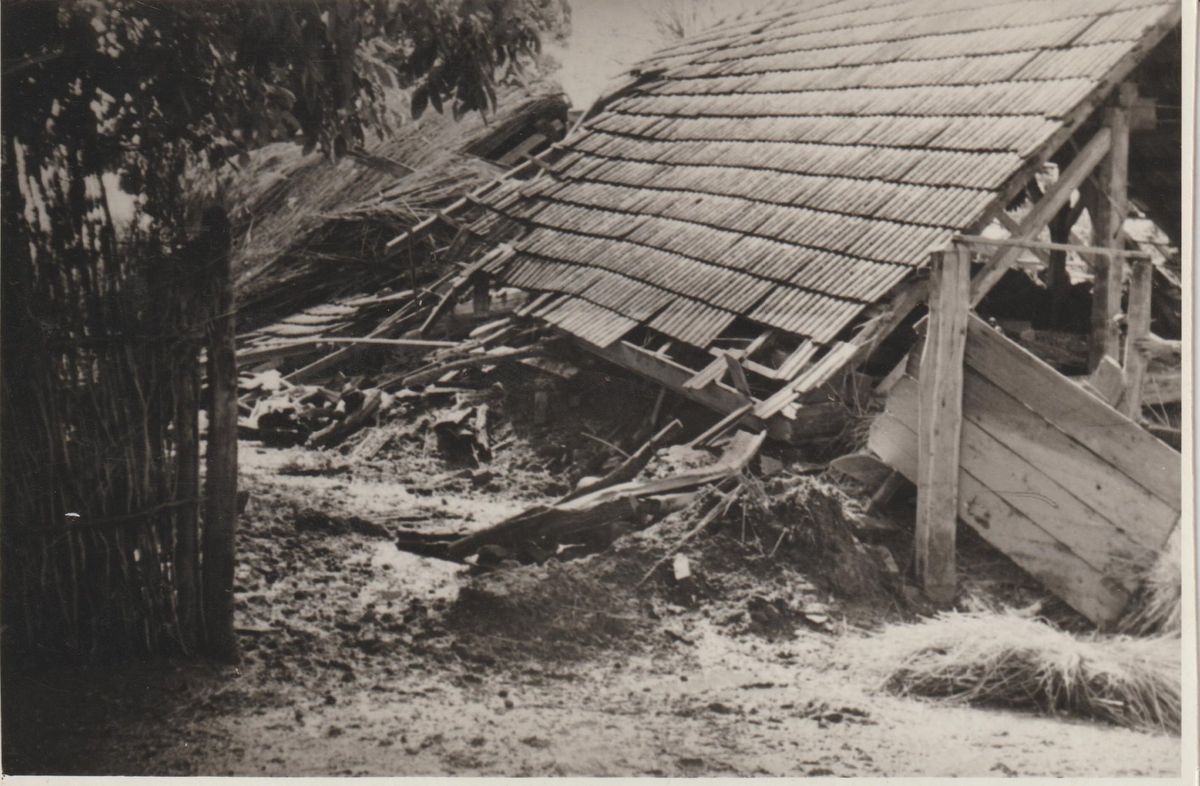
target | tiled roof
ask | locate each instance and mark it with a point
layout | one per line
(792, 169)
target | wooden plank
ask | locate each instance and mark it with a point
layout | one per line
(1060, 570)
(1137, 327)
(721, 426)
(1001, 450)
(810, 421)
(1030, 244)
(940, 423)
(1162, 387)
(1107, 382)
(1108, 208)
(1106, 432)
(880, 326)
(1014, 229)
(813, 377)
(707, 375)
(1039, 216)
(736, 375)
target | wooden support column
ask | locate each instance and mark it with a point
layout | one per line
(940, 423)
(221, 465)
(1137, 327)
(1057, 280)
(482, 296)
(1109, 205)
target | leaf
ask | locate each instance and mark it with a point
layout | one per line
(420, 100)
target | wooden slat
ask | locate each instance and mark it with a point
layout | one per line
(1039, 216)
(1137, 327)
(1062, 572)
(814, 421)
(1106, 432)
(940, 424)
(736, 375)
(707, 375)
(997, 450)
(1107, 382)
(815, 376)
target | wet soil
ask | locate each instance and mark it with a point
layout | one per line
(360, 659)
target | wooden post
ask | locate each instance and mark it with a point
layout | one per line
(1108, 207)
(482, 297)
(1057, 280)
(187, 465)
(1137, 327)
(221, 464)
(940, 423)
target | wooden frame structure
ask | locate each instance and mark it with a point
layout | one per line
(941, 391)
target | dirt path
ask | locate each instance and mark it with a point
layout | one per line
(349, 669)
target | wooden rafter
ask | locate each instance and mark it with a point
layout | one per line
(1040, 215)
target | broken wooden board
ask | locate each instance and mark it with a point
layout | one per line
(1070, 489)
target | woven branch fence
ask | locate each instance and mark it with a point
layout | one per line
(102, 512)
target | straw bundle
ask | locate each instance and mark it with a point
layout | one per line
(1007, 659)
(1156, 609)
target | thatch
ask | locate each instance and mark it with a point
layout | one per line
(1157, 606)
(313, 229)
(793, 169)
(1011, 660)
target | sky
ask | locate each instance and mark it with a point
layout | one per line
(609, 36)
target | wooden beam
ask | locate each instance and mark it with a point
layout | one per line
(1080, 248)
(1137, 327)
(1014, 228)
(1036, 219)
(482, 300)
(736, 375)
(721, 426)
(1071, 122)
(940, 423)
(811, 421)
(1110, 203)
(1058, 282)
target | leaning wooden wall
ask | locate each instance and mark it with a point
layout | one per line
(1070, 489)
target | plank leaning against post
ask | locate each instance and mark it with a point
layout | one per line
(221, 467)
(939, 430)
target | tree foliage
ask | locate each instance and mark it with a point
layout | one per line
(144, 88)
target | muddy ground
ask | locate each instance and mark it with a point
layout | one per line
(361, 659)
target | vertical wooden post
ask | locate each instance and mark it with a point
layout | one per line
(1108, 208)
(940, 423)
(187, 465)
(1137, 327)
(1057, 280)
(482, 296)
(221, 460)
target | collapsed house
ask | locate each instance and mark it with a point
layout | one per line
(749, 222)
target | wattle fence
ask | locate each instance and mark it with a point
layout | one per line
(103, 516)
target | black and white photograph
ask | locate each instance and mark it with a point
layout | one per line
(597, 388)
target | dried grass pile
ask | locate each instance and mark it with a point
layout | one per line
(1156, 609)
(1009, 659)
(312, 229)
